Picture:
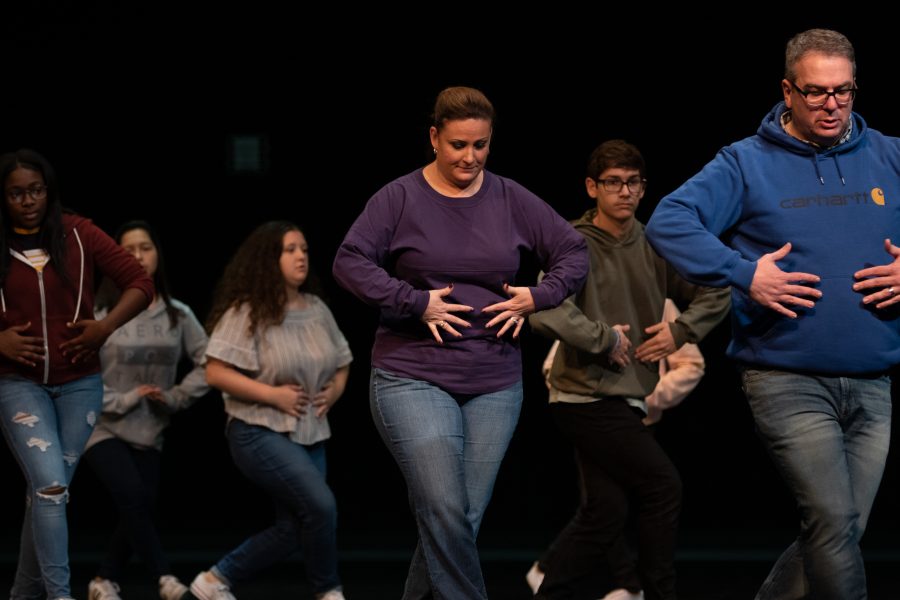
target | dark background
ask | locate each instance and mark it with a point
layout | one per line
(137, 107)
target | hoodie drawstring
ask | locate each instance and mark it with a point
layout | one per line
(818, 172)
(80, 276)
(837, 165)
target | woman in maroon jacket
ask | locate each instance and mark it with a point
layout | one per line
(50, 387)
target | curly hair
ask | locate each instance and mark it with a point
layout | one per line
(254, 276)
(52, 237)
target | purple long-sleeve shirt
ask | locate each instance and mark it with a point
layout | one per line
(410, 239)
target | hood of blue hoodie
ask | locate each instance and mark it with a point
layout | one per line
(771, 130)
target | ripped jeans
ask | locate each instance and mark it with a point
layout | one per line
(46, 428)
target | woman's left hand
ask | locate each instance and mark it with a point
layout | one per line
(512, 311)
(81, 347)
(326, 397)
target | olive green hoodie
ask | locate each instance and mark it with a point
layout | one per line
(627, 285)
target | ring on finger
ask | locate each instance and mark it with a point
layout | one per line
(890, 291)
(514, 320)
(442, 324)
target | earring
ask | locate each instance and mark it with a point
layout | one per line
(435, 150)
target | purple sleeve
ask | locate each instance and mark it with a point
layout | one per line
(561, 252)
(359, 263)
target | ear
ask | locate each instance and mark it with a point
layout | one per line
(787, 89)
(591, 187)
(433, 134)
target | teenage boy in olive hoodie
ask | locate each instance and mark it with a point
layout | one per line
(611, 344)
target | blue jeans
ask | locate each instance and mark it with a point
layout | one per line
(449, 448)
(305, 511)
(46, 428)
(828, 437)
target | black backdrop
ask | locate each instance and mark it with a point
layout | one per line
(136, 108)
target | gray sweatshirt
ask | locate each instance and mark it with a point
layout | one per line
(146, 350)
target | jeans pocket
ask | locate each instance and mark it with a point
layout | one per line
(751, 376)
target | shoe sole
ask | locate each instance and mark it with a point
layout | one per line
(200, 595)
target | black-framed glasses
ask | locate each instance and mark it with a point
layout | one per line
(818, 98)
(614, 184)
(17, 194)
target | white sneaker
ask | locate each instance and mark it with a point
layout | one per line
(170, 588)
(206, 586)
(332, 595)
(534, 578)
(623, 594)
(103, 589)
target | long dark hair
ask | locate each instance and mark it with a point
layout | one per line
(108, 294)
(51, 236)
(254, 276)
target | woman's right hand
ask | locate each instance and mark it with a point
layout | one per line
(21, 348)
(290, 398)
(438, 314)
(152, 392)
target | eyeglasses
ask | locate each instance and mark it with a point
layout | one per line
(37, 192)
(614, 184)
(818, 98)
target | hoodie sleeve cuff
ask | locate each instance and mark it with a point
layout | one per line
(742, 276)
(540, 298)
(679, 333)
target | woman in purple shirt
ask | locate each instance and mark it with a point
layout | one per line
(435, 250)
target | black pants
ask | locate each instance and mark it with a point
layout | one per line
(132, 478)
(623, 470)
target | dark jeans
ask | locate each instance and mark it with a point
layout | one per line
(132, 478)
(292, 475)
(623, 469)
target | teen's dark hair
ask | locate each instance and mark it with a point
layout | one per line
(51, 236)
(108, 294)
(615, 154)
(254, 276)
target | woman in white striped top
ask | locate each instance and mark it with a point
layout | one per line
(281, 362)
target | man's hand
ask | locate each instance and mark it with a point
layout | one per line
(658, 346)
(773, 288)
(883, 280)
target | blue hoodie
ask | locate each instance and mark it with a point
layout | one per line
(836, 207)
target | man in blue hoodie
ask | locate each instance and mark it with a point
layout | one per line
(805, 209)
